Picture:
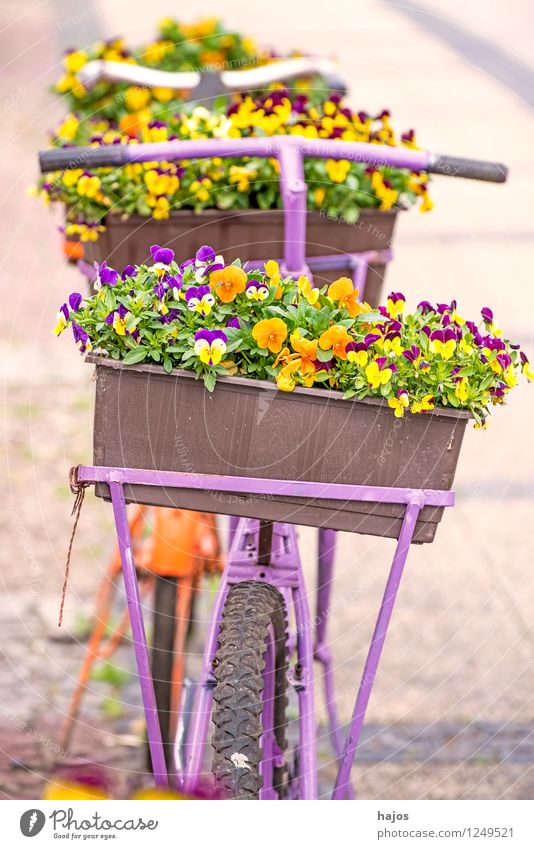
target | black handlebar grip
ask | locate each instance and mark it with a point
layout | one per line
(470, 169)
(68, 158)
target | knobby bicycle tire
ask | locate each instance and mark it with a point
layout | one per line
(251, 609)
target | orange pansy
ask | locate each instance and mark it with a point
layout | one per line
(346, 295)
(228, 282)
(270, 333)
(336, 338)
(307, 348)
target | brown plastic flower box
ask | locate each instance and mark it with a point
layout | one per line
(251, 234)
(146, 418)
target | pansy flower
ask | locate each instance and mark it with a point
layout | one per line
(379, 372)
(272, 270)
(205, 262)
(285, 381)
(400, 403)
(81, 338)
(392, 343)
(228, 282)
(309, 292)
(425, 307)
(342, 291)
(270, 333)
(335, 338)
(307, 348)
(371, 338)
(395, 304)
(357, 353)
(487, 315)
(128, 271)
(489, 321)
(210, 345)
(63, 316)
(163, 256)
(257, 290)
(118, 319)
(174, 282)
(424, 405)
(443, 342)
(461, 389)
(75, 301)
(105, 276)
(199, 299)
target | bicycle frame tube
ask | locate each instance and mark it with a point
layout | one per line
(282, 571)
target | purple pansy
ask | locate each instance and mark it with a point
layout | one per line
(199, 299)
(234, 322)
(186, 264)
(159, 290)
(371, 338)
(205, 255)
(356, 346)
(412, 353)
(128, 271)
(163, 255)
(81, 338)
(106, 276)
(383, 362)
(256, 290)
(425, 306)
(210, 346)
(487, 314)
(75, 300)
(173, 281)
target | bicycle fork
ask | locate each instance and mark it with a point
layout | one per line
(267, 553)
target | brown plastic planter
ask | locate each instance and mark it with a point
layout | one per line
(247, 234)
(145, 418)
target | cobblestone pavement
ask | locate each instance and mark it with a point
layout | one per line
(451, 713)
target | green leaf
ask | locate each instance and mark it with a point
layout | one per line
(136, 355)
(209, 381)
(367, 316)
(324, 356)
(167, 364)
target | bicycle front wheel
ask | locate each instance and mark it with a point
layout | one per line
(250, 669)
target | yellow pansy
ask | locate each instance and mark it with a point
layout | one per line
(309, 292)
(337, 169)
(424, 405)
(136, 98)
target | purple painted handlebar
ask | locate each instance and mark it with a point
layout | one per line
(117, 155)
(290, 151)
(415, 160)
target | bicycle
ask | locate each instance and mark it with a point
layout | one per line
(175, 568)
(246, 669)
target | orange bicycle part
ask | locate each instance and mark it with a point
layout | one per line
(181, 546)
(72, 251)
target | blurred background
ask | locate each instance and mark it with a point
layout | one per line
(452, 713)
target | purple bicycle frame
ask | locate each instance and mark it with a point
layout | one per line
(283, 571)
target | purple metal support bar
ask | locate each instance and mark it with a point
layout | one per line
(377, 643)
(138, 635)
(265, 486)
(322, 653)
(294, 192)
